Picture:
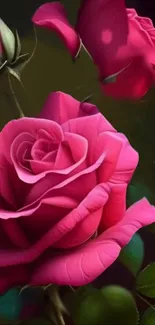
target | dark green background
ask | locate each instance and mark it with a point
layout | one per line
(52, 69)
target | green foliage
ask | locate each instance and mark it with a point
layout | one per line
(10, 306)
(132, 255)
(149, 317)
(119, 306)
(110, 306)
(145, 283)
(88, 306)
(137, 191)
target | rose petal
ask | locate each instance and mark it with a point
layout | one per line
(89, 127)
(15, 132)
(83, 265)
(15, 233)
(115, 207)
(124, 168)
(133, 82)
(112, 50)
(51, 211)
(62, 107)
(95, 200)
(26, 124)
(83, 231)
(127, 162)
(57, 181)
(6, 185)
(103, 28)
(53, 16)
(13, 276)
(111, 144)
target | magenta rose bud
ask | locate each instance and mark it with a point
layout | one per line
(63, 182)
(118, 40)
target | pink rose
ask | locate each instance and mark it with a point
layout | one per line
(116, 38)
(63, 181)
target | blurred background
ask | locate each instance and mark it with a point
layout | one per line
(52, 69)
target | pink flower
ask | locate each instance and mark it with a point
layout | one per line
(117, 39)
(63, 181)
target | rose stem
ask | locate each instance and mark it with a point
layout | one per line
(21, 114)
(146, 301)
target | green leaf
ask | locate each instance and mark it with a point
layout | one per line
(10, 305)
(136, 192)
(119, 306)
(132, 255)
(8, 40)
(17, 68)
(3, 65)
(148, 317)
(18, 47)
(145, 283)
(88, 306)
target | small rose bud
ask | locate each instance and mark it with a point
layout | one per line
(7, 41)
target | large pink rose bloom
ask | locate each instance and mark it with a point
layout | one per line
(63, 181)
(116, 38)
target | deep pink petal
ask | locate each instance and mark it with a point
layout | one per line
(83, 231)
(133, 82)
(103, 28)
(50, 212)
(124, 168)
(71, 185)
(6, 188)
(16, 131)
(115, 207)
(95, 200)
(15, 233)
(69, 158)
(51, 186)
(89, 127)
(115, 43)
(30, 125)
(13, 276)
(53, 16)
(127, 162)
(72, 152)
(1, 49)
(83, 265)
(111, 144)
(61, 107)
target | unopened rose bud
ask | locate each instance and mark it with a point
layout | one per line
(1, 53)
(8, 43)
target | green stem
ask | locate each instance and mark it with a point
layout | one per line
(55, 305)
(21, 114)
(146, 301)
